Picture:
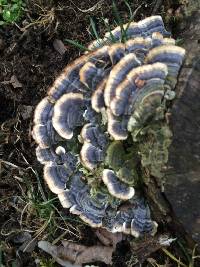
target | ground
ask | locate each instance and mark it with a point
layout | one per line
(29, 64)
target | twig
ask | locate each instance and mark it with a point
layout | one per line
(11, 164)
(91, 9)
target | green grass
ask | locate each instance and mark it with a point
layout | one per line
(77, 44)
(117, 20)
(47, 262)
(186, 257)
(10, 11)
(37, 211)
(42, 206)
(190, 258)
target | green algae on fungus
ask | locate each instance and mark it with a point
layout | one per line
(103, 123)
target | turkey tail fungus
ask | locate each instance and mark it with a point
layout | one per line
(102, 126)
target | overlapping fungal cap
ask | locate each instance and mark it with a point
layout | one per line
(87, 127)
(116, 187)
(77, 197)
(132, 219)
(142, 28)
(94, 143)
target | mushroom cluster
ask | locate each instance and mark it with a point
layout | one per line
(103, 123)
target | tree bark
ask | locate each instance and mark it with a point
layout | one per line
(181, 196)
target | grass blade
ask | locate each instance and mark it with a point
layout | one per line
(76, 44)
(133, 14)
(173, 257)
(129, 8)
(113, 39)
(116, 13)
(94, 30)
(48, 201)
(184, 250)
(119, 21)
(193, 257)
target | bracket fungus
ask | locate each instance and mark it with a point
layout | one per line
(102, 124)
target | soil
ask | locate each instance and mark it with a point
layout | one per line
(29, 64)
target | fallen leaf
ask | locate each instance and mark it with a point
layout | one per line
(28, 246)
(15, 82)
(108, 238)
(86, 254)
(72, 254)
(59, 46)
(53, 251)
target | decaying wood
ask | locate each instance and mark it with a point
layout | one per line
(183, 184)
(179, 204)
(143, 248)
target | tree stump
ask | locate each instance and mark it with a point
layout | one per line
(182, 186)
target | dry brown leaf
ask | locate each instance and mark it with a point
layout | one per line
(53, 251)
(83, 254)
(72, 253)
(14, 81)
(108, 238)
(59, 46)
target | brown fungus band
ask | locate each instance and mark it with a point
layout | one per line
(103, 123)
